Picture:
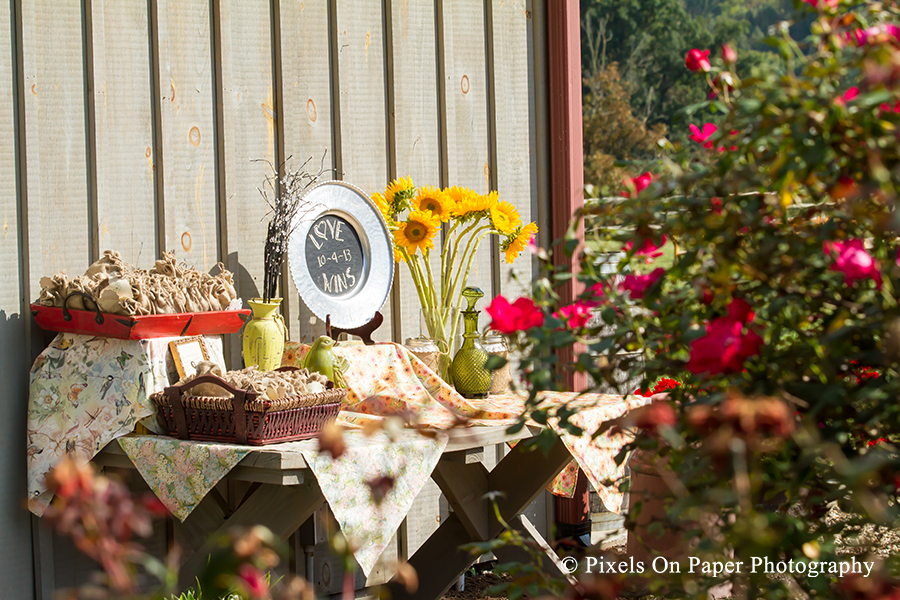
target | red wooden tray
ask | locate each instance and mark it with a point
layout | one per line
(126, 327)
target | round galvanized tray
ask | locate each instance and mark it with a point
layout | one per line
(341, 255)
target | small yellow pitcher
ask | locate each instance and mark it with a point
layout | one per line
(264, 335)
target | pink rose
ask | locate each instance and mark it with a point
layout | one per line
(729, 55)
(253, 581)
(648, 247)
(638, 184)
(636, 285)
(575, 315)
(697, 60)
(702, 136)
(509, 318)
(596, 294)
(847, 96)
(822, 3)
(726, 346)
(853, 261)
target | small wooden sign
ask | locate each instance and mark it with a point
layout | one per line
(188, 352)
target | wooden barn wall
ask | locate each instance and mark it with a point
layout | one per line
(149, 125)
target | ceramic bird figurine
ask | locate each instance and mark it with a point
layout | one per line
(321, 359)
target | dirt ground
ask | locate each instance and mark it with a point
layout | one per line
(476, 584)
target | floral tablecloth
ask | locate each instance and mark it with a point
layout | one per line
(87, 391)
(386, 379)
(182, 473)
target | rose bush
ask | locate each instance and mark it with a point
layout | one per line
(779, 303)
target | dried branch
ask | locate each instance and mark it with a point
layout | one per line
(284, 195)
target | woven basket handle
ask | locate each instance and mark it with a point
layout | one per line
(238, 402)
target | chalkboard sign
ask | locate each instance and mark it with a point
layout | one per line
(341, 255)
(334, 256)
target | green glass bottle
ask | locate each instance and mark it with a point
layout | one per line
(467, 370)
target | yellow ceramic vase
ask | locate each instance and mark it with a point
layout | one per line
(264, 335)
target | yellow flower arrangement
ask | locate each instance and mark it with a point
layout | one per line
(469, 218)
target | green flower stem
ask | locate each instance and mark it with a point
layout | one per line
(444, 266)
(411, 261)
(448, 268)
(465, 277)
(470, 251)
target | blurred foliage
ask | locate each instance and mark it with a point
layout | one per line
(778, 313)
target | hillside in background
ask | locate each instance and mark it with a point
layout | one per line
(635, 81)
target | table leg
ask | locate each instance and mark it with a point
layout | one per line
(520, 477)
(280, 508)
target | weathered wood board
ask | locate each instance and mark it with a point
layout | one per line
(15, 549)
(416, 127)
(467, 144)
(513, 125)
(363, 108)
(306, 117)
(248, 130)
(58, 225)
(124, 130)
(188, 131)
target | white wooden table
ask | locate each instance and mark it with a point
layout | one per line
(284, 494)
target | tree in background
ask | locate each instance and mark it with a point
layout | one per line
(636, 86)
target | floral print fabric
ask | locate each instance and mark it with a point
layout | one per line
(182, 473)
(87, 391)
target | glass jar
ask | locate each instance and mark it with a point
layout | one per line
(426, 350)
(494, 344)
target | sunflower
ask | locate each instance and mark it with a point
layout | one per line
(418, 231)
(435, 200)
(517, 240)
(383, 207)
(398, 193)
(470, 203)
(505, 217)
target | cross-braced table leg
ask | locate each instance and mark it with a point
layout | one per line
(280, 508)
(520, 476)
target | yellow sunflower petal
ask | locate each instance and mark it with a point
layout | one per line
(383, 206)
(505, 217)
(517, 241)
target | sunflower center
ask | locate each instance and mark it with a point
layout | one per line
(416, 232)
(430, 204)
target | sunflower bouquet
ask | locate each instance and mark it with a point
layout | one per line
(415, 215)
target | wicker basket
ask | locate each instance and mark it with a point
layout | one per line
(243, 418)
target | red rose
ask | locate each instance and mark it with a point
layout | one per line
(509, 318)
(637, 285)
(725, 346)
(637, 184)
(575, 315)
(853, 261)
(647, 247)
(697, 60)
(702, 136)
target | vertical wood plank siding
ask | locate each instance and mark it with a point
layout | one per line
(15, 530)
(144, 125)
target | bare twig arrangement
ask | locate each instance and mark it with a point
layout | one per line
(284, 196)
